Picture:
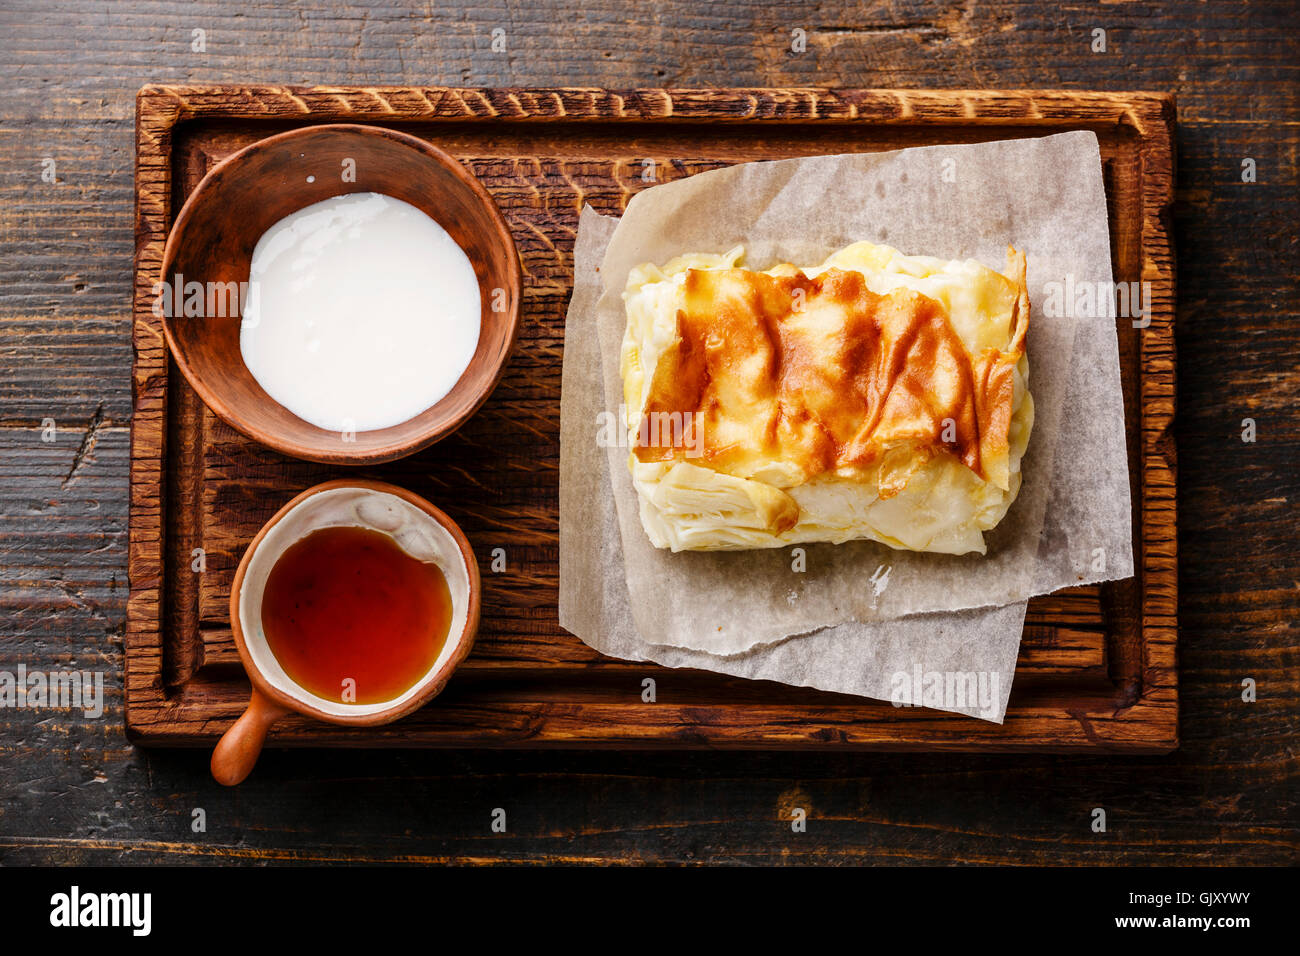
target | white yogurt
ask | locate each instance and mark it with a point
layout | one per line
(362, 312)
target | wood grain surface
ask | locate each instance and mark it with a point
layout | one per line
(73, 789)
(543, 154)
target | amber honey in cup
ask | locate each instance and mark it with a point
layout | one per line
(350, 600)
(353, 618)
(374, 602)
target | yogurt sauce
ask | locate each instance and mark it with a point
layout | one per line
(362, 312)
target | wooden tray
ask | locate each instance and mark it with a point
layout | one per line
(1097, 664)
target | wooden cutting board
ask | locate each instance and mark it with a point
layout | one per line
(1097, 664)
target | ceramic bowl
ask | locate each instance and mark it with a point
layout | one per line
(214, 235)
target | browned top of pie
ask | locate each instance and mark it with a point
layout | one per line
(825, 374)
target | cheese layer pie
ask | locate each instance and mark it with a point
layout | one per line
(876, 395)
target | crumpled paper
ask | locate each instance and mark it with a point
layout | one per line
(865, 612)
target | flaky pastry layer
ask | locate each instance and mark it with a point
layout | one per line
(875, 396)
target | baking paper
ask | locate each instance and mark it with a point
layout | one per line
(899, 660)
(862, 618)
(1045, 197)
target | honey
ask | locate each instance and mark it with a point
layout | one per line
(353, 618)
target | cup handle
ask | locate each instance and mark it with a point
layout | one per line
(239, 747)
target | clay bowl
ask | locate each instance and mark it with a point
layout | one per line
(213, 238)
(373, 504)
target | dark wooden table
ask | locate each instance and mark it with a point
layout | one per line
(73, 789)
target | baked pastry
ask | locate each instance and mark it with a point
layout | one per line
(876, 396)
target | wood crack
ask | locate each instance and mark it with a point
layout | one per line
(88, 441)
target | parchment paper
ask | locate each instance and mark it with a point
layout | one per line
(1069, 525)
(889, 660)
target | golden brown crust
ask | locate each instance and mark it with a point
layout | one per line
(825, 375)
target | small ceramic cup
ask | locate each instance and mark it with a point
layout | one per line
(420, 529)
